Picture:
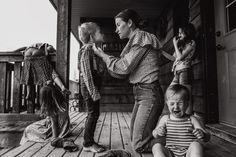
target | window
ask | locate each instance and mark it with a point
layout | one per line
(230, 8)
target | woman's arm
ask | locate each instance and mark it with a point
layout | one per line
(123, 65)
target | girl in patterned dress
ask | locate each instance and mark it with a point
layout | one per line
(184, 45)
(183, 133)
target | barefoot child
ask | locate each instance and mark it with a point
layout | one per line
(183, 133)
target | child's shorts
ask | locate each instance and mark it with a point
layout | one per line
(184, 76)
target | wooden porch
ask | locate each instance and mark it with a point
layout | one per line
(113, 132)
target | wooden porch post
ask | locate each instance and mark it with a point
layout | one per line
(209, 61)
(3, 82)
(63, 40)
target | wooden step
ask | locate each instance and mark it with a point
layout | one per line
(218, 147)
(223, 131)
(116, 107)
(116, 90)
(117, 99)
(19, 116)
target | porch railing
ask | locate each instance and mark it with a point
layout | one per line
(12, 93)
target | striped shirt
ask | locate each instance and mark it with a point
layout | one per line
(178, 137)
(131, 61)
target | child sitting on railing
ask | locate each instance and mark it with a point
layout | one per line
(37, 70)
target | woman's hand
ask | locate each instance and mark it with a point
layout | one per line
(97, 50)
(160, 131)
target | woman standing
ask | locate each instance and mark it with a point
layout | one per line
(138, 61)
(90, 81)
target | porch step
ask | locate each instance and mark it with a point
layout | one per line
(223, 131)
(116, 107)
(116, 90)
(10, 129)
(218, 147)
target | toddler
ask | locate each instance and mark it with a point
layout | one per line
(183, 133)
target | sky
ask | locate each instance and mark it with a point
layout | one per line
(24, 22)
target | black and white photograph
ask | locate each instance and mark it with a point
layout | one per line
(118, 78)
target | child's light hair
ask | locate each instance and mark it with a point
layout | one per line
(87, 30)
(177, 89)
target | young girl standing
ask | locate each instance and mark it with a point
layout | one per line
(184, 45)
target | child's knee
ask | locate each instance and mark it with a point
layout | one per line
(195, 146)
(158, 147)
(159, 150)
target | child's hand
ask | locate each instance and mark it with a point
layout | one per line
(65, 91)
(198, 133)
(160, 131)
(175, 40)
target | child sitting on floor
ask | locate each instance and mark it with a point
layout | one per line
(183, 133)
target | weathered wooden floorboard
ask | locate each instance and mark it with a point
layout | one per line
(127, 116)
(4, 151)
(16, 151)
(32, 150)
(96, 135)
(105, 137)
(125, 132)
(78, 141)
(113, 131)
(75, 132)
(116, 140)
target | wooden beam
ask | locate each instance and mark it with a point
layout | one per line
(63, 40)
(3, 80)
(17, 97)
(209, 61)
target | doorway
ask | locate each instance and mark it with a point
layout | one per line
(225, 26)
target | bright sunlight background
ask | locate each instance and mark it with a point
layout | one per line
(24, 22)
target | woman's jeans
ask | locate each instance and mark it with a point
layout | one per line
(149, 103)
(92, 117)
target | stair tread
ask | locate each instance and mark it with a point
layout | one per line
(223, 131)
(218, 147)
(223, 128)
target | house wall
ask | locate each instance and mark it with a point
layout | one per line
(166, 75)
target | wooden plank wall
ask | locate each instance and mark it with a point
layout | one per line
(166, 75)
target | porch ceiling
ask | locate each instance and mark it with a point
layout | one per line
(109, 8)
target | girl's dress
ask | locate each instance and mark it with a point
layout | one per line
(41, 131)
(182, 68)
